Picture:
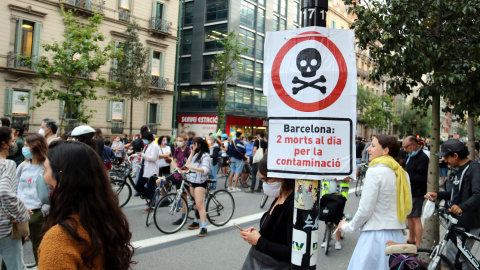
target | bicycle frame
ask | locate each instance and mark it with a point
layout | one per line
(453, 234)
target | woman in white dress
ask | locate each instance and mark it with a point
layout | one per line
(386, 201)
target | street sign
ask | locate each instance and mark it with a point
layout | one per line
(311, 84)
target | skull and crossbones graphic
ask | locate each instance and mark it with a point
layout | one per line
(308, 62)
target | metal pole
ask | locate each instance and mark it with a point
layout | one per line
(307, 192)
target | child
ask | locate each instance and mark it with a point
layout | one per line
(108, 155)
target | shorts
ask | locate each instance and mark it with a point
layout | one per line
(417, 205)
(236, 167)
(224, 161)
(359, 161)
(176, 182)
(196, 185)
(443, 172)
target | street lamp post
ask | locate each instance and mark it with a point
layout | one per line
(314, 13)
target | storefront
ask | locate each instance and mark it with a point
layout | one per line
(203, 125)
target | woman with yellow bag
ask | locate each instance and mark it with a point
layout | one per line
(383, 208)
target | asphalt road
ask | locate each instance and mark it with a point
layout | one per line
(222, 248)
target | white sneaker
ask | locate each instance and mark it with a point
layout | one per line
(324, 245)
(230, 189)
(237, 189)
(338, 246)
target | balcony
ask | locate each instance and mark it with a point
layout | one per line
(117, 127)
(159, 26)
(14, 61)
(21, 120)
(153, 128)
(158, 82)
(84, 6)
(124, 15)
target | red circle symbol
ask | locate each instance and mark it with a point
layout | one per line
(321, 104)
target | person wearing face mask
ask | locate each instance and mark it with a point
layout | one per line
(386, 200)
(18, 133)
(30, 171)
(49, 129)
(274, 238)
(214, 150)
(149, 169)
(164, 166)
(224, 149)
(12, 208)
(117, 147)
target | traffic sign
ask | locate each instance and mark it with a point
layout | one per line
(311, 84)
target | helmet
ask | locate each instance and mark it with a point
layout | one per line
(84, 131)
(224, 135)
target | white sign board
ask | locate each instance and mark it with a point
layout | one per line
(117, 111)
(19, 106)
(311, 84)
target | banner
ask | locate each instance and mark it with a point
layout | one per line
(19, 106)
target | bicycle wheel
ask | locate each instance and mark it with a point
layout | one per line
(168, 219)
(263, 200)
(220, 207)
(156, 198)
(328, 235)
(123, 191)
(443, 263)
(359, 185)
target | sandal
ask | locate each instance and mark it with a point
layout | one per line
(411, 243)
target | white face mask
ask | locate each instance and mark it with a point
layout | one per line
(41, 132)
(272, 189)
(117, 139)
(180, 144)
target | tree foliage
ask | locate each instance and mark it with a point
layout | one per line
(223, 67)
(376, 111)
(72, 61)
(131, 73)
(413, 121)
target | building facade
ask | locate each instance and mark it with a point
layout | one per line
(30, 23)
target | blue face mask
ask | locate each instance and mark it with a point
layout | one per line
(145, 141)
(26, 152)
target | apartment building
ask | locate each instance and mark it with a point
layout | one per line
(30, 23)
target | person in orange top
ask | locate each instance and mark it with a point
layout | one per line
(86, 229)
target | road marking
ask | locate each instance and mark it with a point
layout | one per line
(184, 234)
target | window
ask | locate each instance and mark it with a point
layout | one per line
(208, 65)
(276, 23)
(154, 116)
(198, 98)
(258, 75)
(283, 8)
(217, 10)
(213, 34)
(296, 12)
(158, 10)
(333, 24)
(27, 43)
(26, 38)
(259, 47)
(283, 24)
(261, 2)
(124, 7)
(276, 6)
(157, 69)
(185, 64)
(17, 102)
(248, 40)
(187, 41)
(260, 104)
(245, 71)
(159, 17)
(261, 20)
(239, 99)
(116, 111)
(247, 14)
(69, 110)
(188, 17)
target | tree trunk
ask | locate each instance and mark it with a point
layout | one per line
(431, 229)
(471, 137)
(131, 117)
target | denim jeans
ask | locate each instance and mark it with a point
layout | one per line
(12, 252)
(254, 177)
(213, 171)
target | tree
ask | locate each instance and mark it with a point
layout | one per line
(73, 61)
(377, 111)
(414, 44)
(222, 70)
(131, 72)
(413, 121)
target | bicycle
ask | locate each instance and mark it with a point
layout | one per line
(220, 207)
(361, 176)
(329, 232)
(247, 182)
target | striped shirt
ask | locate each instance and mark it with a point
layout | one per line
(198, 177)
(9, 202)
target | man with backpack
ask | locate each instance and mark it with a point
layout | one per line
(236, 151)
(464, 198)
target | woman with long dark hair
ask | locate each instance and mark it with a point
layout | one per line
(199, 163)
(28, 173)
(85, 228)
(273, 242)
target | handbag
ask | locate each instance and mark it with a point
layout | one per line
(19, 230)
(402, 262)
(257, 260)
(167, 159)
(259, 154)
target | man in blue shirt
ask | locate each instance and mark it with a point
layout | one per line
(236, 151)
(248, 163)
